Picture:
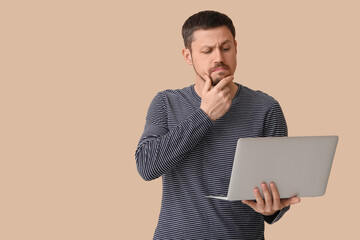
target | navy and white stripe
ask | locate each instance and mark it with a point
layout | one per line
(194, 156)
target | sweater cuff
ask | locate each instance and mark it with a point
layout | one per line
(203, 117)
(276, 216)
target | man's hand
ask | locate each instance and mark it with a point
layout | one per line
(271, 204)
(216, 101)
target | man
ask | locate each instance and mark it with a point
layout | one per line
(190, 139)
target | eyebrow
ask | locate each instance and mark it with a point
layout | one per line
(212, 46)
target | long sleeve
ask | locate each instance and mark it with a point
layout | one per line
(275, 123)
(161, 149)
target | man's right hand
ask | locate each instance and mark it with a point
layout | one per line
(216, 101)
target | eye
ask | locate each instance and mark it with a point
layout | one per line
(226, 49)
(207, 51)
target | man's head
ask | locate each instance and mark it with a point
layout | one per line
(210, 45)
(203, 21)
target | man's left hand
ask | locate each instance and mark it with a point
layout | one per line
(271, 203)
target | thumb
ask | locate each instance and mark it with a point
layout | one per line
(291, 201)
(208, 84)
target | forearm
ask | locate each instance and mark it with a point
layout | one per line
(158, 153)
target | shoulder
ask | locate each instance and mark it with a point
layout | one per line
(257, 96)
(174, 95)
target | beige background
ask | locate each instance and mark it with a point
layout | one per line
(77, 78)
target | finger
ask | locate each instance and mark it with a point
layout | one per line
(226, 91)
(289, 201)
(275, 196)
(294, 200)
(208, 84)
(224, 82)
(267, 195)
(259, 199)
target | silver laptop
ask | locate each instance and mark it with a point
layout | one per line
(299, 166)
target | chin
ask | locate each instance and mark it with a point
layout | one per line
(215, 80)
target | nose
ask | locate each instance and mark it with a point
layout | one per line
(218, 55)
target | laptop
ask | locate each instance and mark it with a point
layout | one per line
(299, 166)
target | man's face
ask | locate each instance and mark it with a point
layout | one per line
(213, 54)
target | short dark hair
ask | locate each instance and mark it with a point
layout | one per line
(204, 20)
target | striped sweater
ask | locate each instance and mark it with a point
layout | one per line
(194, 157)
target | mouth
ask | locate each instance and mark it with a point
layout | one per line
(220, 68)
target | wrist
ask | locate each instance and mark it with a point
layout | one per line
(271, 218)
(207, 113)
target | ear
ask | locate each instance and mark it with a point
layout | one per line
(187, 55)
(235, 42)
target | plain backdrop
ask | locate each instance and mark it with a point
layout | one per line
(76, 80)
